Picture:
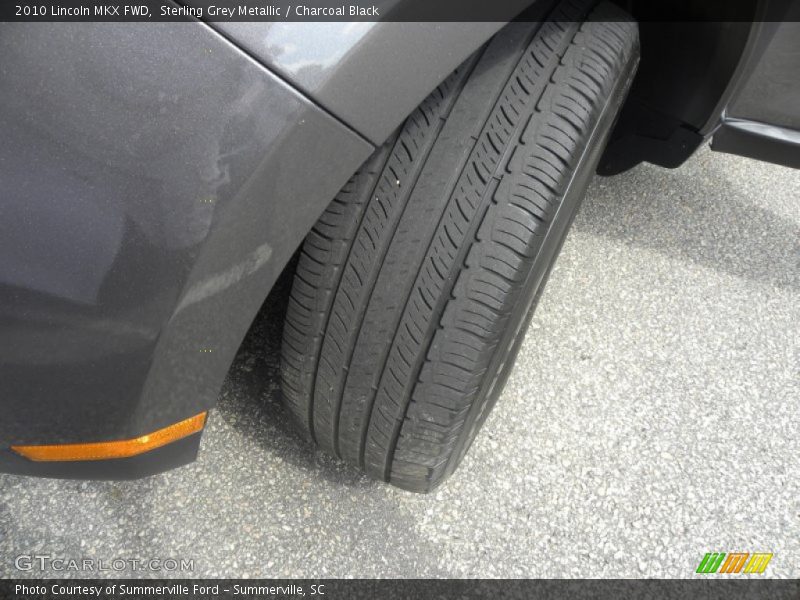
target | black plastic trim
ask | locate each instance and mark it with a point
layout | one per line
(758, 140)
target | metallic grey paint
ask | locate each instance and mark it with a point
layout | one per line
(772, 93)
(371, 75)
(155, 180)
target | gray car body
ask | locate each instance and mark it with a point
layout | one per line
(156, 180)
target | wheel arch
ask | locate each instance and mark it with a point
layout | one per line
(690, 70)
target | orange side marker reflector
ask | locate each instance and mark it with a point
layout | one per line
(119, 449)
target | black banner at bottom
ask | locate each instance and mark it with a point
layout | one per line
(444, 589)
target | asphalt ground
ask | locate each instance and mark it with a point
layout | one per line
(652, 417)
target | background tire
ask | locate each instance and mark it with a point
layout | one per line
(412, 289)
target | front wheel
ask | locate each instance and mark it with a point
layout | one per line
(413, 289)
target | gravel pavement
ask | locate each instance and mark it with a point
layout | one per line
(653, 416)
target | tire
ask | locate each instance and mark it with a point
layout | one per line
(413, 287)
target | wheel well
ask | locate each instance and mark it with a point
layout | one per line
(687, 65)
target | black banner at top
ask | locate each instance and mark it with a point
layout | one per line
(371, 10)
